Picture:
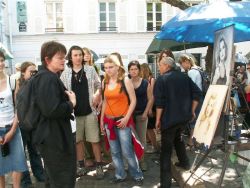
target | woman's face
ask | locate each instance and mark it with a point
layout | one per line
(2, 64)
(186, 64)
(56, 64)
(76, 57)
(111, 69)
(222, 50)
(134, 71)
(87, 56)
(29, 71)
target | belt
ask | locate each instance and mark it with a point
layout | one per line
(3, 126)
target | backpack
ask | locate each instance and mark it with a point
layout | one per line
(27, 111)
(205, 80)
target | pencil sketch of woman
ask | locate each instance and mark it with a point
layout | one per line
(220, 76)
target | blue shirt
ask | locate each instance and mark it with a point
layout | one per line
(174, 91)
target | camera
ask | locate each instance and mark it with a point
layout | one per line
(5, 150)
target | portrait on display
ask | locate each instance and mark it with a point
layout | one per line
(222, 56)
(209, 116)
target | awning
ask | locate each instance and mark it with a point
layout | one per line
(157, 46)
(6, 52)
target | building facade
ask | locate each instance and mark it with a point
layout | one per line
(105, 26)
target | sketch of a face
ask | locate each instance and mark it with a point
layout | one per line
(210, 106)
(222, 50)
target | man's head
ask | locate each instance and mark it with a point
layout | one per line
(166, 64)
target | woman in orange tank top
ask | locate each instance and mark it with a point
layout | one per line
(116, 119)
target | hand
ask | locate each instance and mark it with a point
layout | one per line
(150, 113)
(1, 140)
(96, 100)
(193, 117)
(122, 123)
(102, 128)
(72, 97)
(8, 136)
(158, 126)
(144, 116)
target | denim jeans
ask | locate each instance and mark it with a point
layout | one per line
(35, 160)
(122, 147)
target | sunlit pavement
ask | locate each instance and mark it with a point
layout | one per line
(211, 177)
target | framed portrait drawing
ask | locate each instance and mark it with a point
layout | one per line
(210, 113)
(222, 56)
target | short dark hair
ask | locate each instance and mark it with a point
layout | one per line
(168, 52)
(134, 63)
(2, 55)
(50, 48)
(69, 55)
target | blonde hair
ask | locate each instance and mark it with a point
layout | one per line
(121, 72)
(186, 57)
(87, 51)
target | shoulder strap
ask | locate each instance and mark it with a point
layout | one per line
(12, 83)
(125, 90)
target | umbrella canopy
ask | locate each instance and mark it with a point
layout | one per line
(157, 46)
(6, 52)
(198, 23)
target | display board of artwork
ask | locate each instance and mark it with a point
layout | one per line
(210, 113)
(222, 56)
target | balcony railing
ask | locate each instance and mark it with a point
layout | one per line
(54, 30)
(107, 28)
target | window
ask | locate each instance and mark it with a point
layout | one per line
(107, 16)
(154, 16)
(54, 14)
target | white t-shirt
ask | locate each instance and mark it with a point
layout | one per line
(6, 106)
(195, 75)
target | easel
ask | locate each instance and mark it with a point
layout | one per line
(226, 146)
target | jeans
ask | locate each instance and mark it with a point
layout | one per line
(122, 147)
(35, 160)
(171, 137)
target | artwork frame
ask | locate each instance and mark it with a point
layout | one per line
(210, 113)
(222, 56)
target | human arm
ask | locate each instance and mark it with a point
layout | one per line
(97, 97)
(149, 102)
(51, 98)
(151, 83)
(9, 135)
(104, 102)
(158, 118)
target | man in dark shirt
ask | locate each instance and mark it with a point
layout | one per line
(176, 98)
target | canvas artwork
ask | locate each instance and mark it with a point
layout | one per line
(222, 56)
(210, 113)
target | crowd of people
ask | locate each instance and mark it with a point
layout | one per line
(77, 109)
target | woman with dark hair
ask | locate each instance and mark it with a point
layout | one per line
(12, 158)
(220, 74)
(144, 102)
(27, 69)
(84, 81)
(118, 105)
(53, 135)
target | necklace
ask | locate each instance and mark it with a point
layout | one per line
(80, 77)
